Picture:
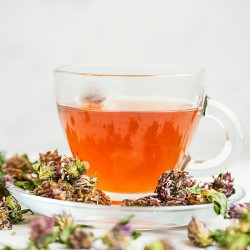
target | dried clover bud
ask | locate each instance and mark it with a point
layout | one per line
(224, 183)
(18, 168)
(98, 197)
(10, 212)
(49, 157)
(80, 240)
(151, 201)
(55, 190)
(73, 168)
(41, 227)
(162, 244)
(174, 183)
(52, 166)
(48, 170)
(4, 218)
(84, 190)
(120, 236)
(64, 221)
(198, 234)
(84, 185)
(236, 211)
(66, 225)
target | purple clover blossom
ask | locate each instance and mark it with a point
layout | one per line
(121, 235)
(174, 184)
(41, 227)
(236, 211)
(8, 177)
(80, 240)
(224, 183)
(123, 229)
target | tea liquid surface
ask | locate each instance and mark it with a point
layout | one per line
(129, 149)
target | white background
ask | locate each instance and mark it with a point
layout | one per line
(38, 35)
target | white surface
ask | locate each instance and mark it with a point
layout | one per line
(19, 235)
(37, 36)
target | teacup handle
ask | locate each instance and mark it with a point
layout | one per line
(233, 144)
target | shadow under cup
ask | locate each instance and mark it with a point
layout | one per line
(131, 122)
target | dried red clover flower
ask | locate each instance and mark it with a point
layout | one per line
(84, 186)
(146, 201)
(174, 184)
(10, 212)
(98, 197)
(64, 178)
(73, 168)
(18, 167)
(50, 157)
(224, 183)
(64, 221)
(52, 166)
(4, 215)
(198, 234)
(120, 236)
(80, 240)
(54, 190)
(41, 227)
(236, 211)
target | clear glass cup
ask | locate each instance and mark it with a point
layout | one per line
(132, 122)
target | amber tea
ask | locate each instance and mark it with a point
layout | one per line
(129, 149)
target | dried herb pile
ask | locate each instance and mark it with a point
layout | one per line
(54, 176)
(179, 188)
(64, 178)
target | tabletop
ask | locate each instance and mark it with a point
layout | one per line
(19, 235)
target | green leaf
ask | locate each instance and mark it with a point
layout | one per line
(79, 166)
(26, 185)
(10, 203)
(219, 236)
(2, 159)
(125, 220)
(135, 235)
(231, 240)
(195, 190)
(220, 203)
(9, 248)
(37, 166)
(218, 199)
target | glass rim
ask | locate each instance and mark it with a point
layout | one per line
(87, 70)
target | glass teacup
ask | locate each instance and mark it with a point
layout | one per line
(132, 122)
